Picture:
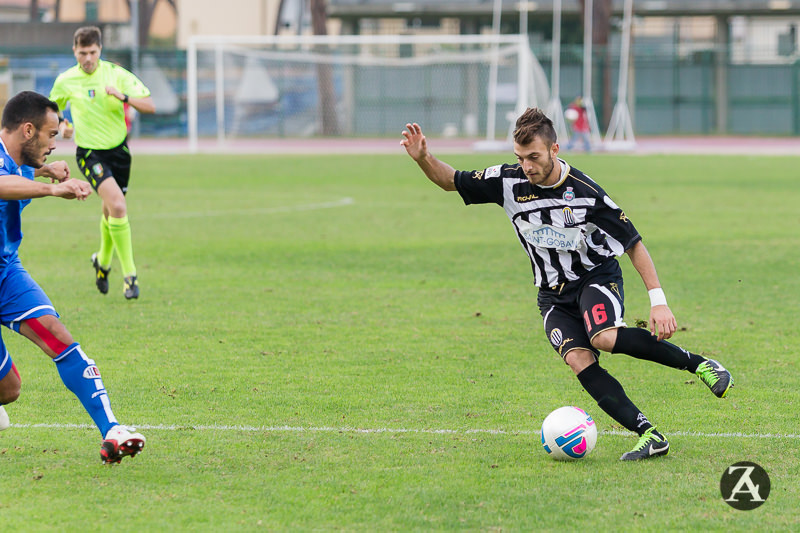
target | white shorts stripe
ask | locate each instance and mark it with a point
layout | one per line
(5, 359)
(27, 313)
(547, 314)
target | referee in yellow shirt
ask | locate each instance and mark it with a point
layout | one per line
(97, 92)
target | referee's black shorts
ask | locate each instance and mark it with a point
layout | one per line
(575, 312)
(100, 165)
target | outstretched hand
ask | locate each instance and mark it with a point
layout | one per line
(414, 142)
(72, 189)
(437, 171)
(662, 322)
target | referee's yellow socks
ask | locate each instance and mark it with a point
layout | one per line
(106, 252)
(120, 231)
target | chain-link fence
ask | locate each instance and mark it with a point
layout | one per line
(671, 92)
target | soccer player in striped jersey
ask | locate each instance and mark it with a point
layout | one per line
(97, 92)
(572, 232)
(28, 130)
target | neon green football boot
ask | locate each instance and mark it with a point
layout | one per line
(715, 376)
(651, 444)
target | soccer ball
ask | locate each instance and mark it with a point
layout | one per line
(568, 433)
(571, 114)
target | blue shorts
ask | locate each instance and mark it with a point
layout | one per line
(21, 298)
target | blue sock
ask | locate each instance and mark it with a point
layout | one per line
(80, 375)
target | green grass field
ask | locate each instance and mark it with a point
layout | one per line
(333, 343)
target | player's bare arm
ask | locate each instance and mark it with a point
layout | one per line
(142, 105)
(19, 188)
(56, 171)
(662, 322)
(437, 171)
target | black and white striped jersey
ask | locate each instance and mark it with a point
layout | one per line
(566, 229)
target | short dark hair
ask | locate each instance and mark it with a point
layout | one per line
(534, 123)
(87, 36)
(27, 106)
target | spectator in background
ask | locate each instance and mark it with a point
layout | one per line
(578, 118)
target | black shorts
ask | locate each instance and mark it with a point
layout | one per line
(574, 313)
(100, 165)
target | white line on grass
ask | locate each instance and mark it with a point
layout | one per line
(254, 211)
(432, 431)
(220, 213)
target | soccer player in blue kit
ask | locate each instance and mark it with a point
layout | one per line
(572, 233)
(28, 129)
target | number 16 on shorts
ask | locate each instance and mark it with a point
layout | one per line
(601, 308)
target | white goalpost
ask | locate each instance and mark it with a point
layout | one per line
(359, 85)
(620, 128)
(554, 108)
(588, 102)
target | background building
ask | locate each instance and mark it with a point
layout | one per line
(706, 66)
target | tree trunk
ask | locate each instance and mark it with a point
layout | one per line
(325, 88)
(146, 9)
(145, 12)
(601, 27)
(34, 11)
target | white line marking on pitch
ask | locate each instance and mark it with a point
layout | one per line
(255, 211)
(204, 214)
(432, 431)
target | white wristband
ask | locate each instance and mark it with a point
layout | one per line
(657, 297)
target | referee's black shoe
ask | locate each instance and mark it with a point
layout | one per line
(131, 287)
(102, 275)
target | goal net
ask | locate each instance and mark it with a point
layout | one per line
(359, 86)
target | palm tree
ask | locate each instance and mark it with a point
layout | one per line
(601, 27)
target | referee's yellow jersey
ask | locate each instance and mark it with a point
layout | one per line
(99, 118)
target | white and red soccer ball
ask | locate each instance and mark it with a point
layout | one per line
(571, 114)
(568, 433)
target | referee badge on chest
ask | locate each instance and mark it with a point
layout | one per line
(568, 195)
(91, 93)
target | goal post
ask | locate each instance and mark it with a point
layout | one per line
(358, 85)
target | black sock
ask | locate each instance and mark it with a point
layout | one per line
(639, 343)
(611, 397)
